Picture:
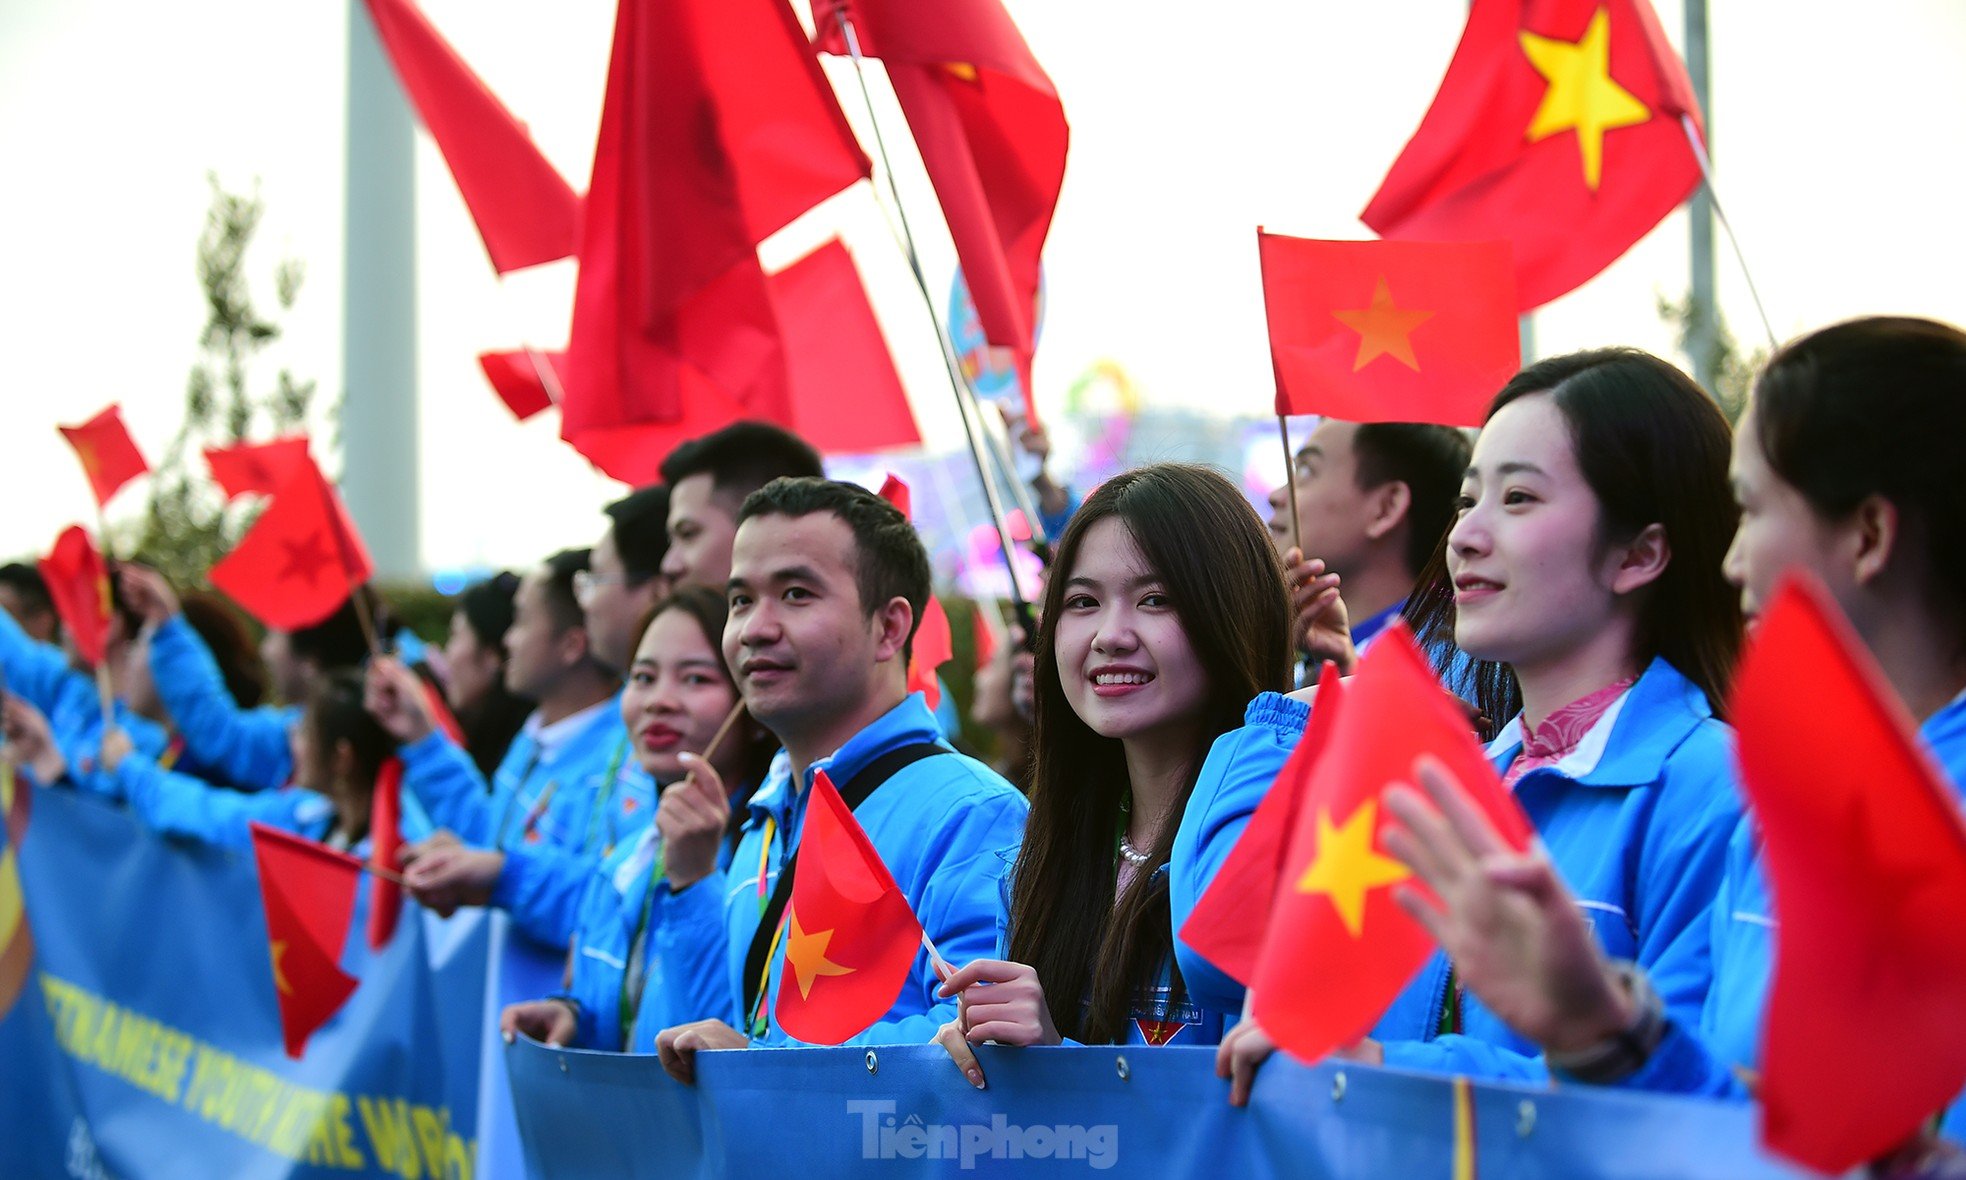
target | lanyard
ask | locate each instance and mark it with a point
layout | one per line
(635, 979)
(758, 1014)
(602, 798)
(512, 800)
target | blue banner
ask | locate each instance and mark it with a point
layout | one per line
(905, 1111)
(145, 1041)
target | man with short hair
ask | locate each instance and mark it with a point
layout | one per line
(24, 595)
(1373, 501)
(624, 578)
(827, 582)
(708, 479)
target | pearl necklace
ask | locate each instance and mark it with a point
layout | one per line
(1132, 854)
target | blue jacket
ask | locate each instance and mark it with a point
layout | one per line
(1637, 819)
(619, 904)
(1236, 775)
(1702, 1057)
(39, 674)
(175, 804)
(939, 824)
(246, 747)
(1157, 1018)
(595, 796)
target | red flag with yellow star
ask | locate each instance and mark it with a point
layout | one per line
(300, 560)
(109, 455)
(1389, 331)
(850, 935)
(1339, 949)
(1868, 873)
(78, 585)
(309, 894)
(1561, 126)
(1224, 927)
(992, 136)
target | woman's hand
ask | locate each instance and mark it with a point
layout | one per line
(1505, 918)
(995, 1001)
(678, 1046)
(30, 743)
(691, 818)
(448, 877)
(1242, 1052)
(147, 592)
(393, 695)
(116, 746)
(1323, 628)
(550, 1022)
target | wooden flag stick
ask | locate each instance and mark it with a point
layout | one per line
(105, 691)
(1713, 194)
(1290, 481)
(723, 731)
(394, 878)
(367, 620)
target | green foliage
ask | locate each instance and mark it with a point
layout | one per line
(1733, 369)
(419, 607)
(186, 525)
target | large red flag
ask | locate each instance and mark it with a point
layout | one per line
(109, 455)
(1866, 854)
(1389, 331)
(309, 894)
(301, 559)
(257, 469)
(934, 644)
(718, 129)
(78, 583)
(525, 210)
(1559, 126)
(992, 136)
(850, 935)
(846, 397)
(1226, 927)
(1339, 948)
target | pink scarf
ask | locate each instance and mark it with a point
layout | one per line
(1559, 734)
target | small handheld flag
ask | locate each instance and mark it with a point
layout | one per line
(309, 894)
(108, 454)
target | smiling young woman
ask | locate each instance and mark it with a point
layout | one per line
(1166, 612)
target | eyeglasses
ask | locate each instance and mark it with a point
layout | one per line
(586, 583)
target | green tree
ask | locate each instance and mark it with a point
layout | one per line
(187, 525)
(1732, 368)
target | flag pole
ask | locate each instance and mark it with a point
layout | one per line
(1290, 481)
(965, 396)
(105, 691)
(1720, 213)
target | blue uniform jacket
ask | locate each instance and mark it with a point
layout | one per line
(177, 804)
(1702, 1057)
(938, 824)
(1236, 775)
(39, 674)
(595, 798)
(1158, 1017)
(245, 747)
(1637, 819)
(611, 912)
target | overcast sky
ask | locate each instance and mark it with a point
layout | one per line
(1837, 132)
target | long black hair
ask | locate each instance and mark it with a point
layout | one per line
(1653, 447)
(1092, 951)
(1877, 406)
(492, 721)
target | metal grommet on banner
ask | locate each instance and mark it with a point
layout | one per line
(873, 1062)
(1125, 1070)
(1525, 1118)
(1338, 1086)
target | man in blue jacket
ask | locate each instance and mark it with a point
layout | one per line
(827, 582)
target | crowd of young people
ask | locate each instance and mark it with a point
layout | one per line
(642, 721)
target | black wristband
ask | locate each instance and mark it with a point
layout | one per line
(1622, 1054)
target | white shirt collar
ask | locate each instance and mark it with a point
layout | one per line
(552, 738)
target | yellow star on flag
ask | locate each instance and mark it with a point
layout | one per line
(1384, 329)
(1582, 95)
(1346, 866)
(280, 983)
(806, 954)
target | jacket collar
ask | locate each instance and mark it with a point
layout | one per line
(908, 723)
(1629, 745)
